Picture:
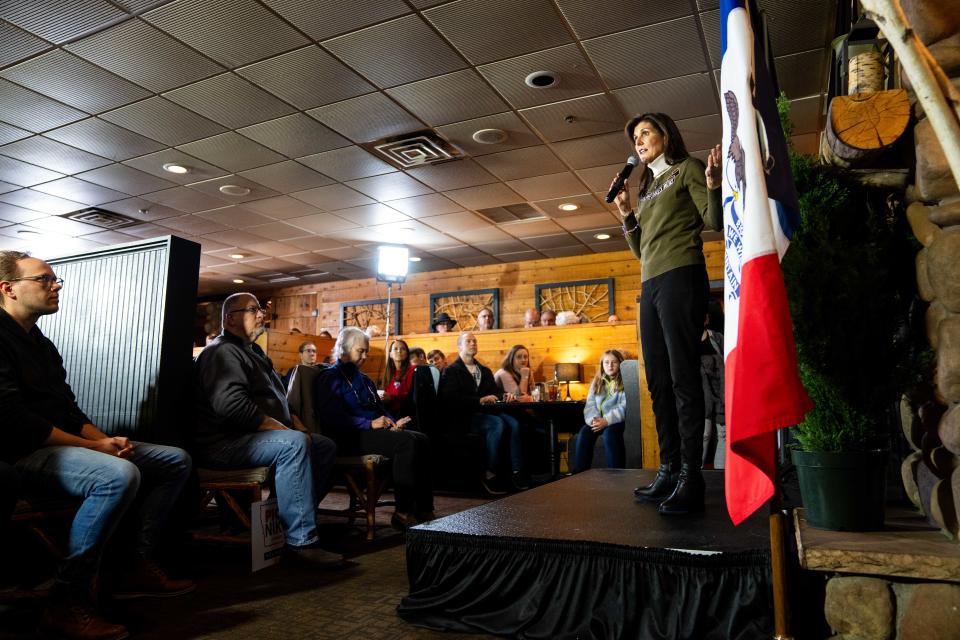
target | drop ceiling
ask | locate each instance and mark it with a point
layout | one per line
(282, 97)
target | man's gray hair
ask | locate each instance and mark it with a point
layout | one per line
(346, 339)
(228, 304)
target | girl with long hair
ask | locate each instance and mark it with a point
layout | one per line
(515, 377)
(603, 415)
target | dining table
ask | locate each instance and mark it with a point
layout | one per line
(565, 415)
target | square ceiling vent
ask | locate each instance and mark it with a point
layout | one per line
(414, 149)
(101, 218)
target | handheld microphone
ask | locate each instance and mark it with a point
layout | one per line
(621, 178)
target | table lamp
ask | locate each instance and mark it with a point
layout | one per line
(567, 372)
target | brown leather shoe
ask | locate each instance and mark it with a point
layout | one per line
(145, 579)
(77, 620)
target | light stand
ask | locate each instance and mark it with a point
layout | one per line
(393, 262)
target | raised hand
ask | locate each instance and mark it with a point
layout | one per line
(713, 172)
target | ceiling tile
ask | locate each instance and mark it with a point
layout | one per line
(701, 133)
(680, 37)
(520, 256)
(185, 199)
(333, 197)
(554, 185)
(610, 148)
(590, 18)
(371, 214)
(794, 73)
(783, 18)
(575, 76)
(586, 221)
(31, 111)
(521, 163)
(510, 245)
(432, 204)
(684, 97)
(396, 52)
(321, 223)
(126, 179)
(15, 214)
(110, 237)
(153, 164)
(231, 151)
(52, 155)
(235, 217)
(315, 243)
(527, 229)
(59, 20)
(80, 191)
(586, 202)
(6, 186)
(496, 29)
(449, 98)
(488, 233)
(367, 118)
(566, 252)
(518, 135)
(575, 118)
(192, 225)
(478, 261)
(30, 199)
(348, 163)
(232, 32)
(295, 135)
(74, 81)
(64, 226)
(390, 186)
(234, 238)
(212, 188)
(549, 241)
(141, 209)
(325, 18)
(456, 253)
(281, 207)
(452, 175)
(230, 100)
(10, 133)
(484, 196)
(276, 231)
(146, 230)
(104, 139)
(24, 174)
(307, 77)
(710, 21)
(287, 176)
(143, 54)
(163, 120)
(17, 44)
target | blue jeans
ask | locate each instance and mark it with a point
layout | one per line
(613, 448)
(302, 464)
(495, 428)
(108, 486)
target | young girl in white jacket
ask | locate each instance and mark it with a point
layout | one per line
(603, 415)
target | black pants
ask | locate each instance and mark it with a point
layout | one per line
(673, 307)
(9, 488)
(410, 453)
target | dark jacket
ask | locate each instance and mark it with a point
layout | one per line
(236, 389)
(346, 402)
(34, 394)
(460, 394)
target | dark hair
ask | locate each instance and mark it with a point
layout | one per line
(507, 364)
(9, 268)
(435, 352)
(597, 384)
(674, 150)
(391, 367)
(303, 346)
(418, 352)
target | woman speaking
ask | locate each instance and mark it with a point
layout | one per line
(675, 200)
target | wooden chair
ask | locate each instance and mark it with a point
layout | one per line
(365, 477)
(233, 491)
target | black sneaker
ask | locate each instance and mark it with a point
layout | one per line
(520, 481)
(493, 486)
(312, 556)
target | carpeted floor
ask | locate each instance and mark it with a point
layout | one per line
(279, 602)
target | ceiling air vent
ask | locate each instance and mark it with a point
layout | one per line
(101, 218)
(414, 149)
(511, 213)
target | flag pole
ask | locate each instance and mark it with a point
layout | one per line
(778, 565)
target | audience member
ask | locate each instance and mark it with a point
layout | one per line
(308, 356)
(296, 330)
(324, 334)
(604, 414)
(443, 323)
(548, 318)
(485, 319)
(531, 318)
(58, 451)
(437, 359)
(243, 420)
(514, 377)
(209, 338)
(396, 394)
(373, 331)
(614, 318)
(417, 357)
(567, 318)
(350, 408)
(466, 385)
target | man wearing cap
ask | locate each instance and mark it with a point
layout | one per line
(444, 323)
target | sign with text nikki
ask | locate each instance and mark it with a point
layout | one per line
(266, 534)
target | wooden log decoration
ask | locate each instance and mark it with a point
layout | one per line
(866, 73)
(863, 125)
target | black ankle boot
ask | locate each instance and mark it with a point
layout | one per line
(661, 487)
(688, 496)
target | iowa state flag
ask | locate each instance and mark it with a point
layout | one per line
(760, 213)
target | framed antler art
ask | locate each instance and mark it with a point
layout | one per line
(591, 300)
(463, 306)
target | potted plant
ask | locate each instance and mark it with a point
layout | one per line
(850, 280)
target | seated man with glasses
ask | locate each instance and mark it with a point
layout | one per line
(57, 451)
(243, 420)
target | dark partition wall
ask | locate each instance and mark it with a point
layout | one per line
(125, 330)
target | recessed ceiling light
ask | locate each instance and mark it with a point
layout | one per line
(489, 136)
(569, 206)
(414, 258)
(602, 236)
(234, 190)
(541, 79)
(173, 167)
(238, 281)
(237, 256)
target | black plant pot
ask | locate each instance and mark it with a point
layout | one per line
(843, 491)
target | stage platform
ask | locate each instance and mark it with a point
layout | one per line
(578, 558)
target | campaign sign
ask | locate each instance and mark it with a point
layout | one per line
(266, 535)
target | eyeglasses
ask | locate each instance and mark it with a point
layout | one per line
(253, 310)
(46, 280)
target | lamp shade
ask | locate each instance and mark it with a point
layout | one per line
(567, 371)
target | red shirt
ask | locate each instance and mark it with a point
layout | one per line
(395, 395)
